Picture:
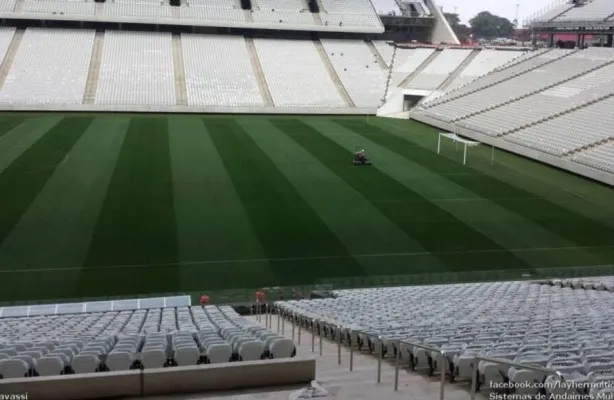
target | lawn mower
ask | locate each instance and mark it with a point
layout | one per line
(360, 158)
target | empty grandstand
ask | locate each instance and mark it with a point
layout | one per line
(104, 209)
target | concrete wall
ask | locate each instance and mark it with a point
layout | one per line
(558, 162)
(164, 381)
(185, 109)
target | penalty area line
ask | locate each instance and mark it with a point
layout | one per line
(316, 258)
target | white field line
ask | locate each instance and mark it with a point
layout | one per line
(339, 257)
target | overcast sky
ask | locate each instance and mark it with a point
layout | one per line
(468, 8)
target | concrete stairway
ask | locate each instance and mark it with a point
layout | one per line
(94, 72)
(263, 86)
(378, 57)
(447, 98)
(7, 62)
(181, 91)
(333, 75)
(99, 10)
(360, 383)
(18, 6)
(524, 96)
(553, 116)
(420, 68)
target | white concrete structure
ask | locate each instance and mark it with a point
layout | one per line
(138, 10)
(295, 74)
(217, 10)
(281, 12)
(218, 71)
(357, 69)
(385, 50)
(486, 61)
(434, 74)
(6, 35)
(50, 67)
(349, 13)
(595, 10)
(407, 61)
(137, 68)
(61, 7)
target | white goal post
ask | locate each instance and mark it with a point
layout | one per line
(465, 143)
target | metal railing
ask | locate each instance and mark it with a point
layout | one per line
(247, 295)
(313, 326)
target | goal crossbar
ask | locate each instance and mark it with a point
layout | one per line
(464, 142)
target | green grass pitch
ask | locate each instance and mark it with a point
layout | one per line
(124, 205)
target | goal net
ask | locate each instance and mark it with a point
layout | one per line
(461, 143)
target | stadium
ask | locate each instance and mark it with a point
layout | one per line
(239, 198)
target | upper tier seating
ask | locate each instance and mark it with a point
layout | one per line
(571, 331)
(295, 74)
(50, 67)
(544, 104)
(515, 68)
(7, 5)
(571, 131)
(354, 13)
(6, 36)
(486, 61)
(535, 80)
(552, 13)
(215, 10)
(136, 69)
(59, 7)
(138, 10)
(599, 157)
(436, 72)
(121, 340)
(218, 71)
(407, 61)
(281, 11)
(385, 50)
(357, 69)
(595, 10)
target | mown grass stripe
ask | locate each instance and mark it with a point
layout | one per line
(211, 221)
(361, 228)
(56, 229)
(137, 220)
(23, 179)
(7, 123)
(556, 222)
(430, 224)
(566, 190)
(15, 142)
(285, 224)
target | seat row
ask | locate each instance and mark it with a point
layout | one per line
(118, 341)
(561, 328)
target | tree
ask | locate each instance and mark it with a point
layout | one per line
(488, 26)
(461, 30)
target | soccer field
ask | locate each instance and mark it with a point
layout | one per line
(121, 205)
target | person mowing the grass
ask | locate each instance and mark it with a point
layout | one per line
(360, 158)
